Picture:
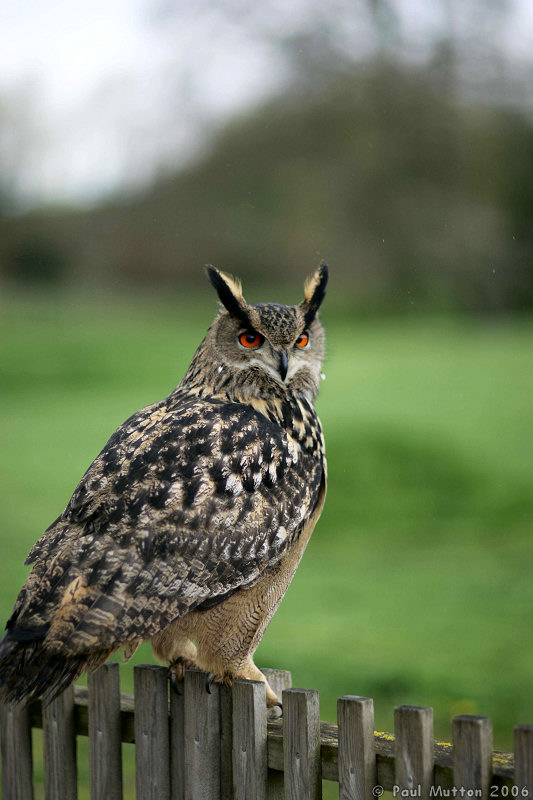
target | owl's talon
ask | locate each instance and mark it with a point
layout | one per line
(174, 682)
(209, 681)
(178, 666)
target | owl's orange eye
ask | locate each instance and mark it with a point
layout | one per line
(302, 340)
(251, 339)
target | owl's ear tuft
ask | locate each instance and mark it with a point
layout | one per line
(315, 291)
(229, 291)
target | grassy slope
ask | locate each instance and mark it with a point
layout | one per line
(416, 587)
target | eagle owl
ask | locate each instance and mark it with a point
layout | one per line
(189, 525)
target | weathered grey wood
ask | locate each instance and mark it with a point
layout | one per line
(152, 747)
(15, 741)
(301, 744)
(226, 742)
(275, 785)
(472, 753)
(357, 754)
(279, 679)
(105, 756)
(59, 729)
(250, 769)
(177, 741)
(523, 760)
(202, 738)
(413, 749)
(502, 763)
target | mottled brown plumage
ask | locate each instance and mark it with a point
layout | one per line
(191, 521)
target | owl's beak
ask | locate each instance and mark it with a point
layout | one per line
(283, 364)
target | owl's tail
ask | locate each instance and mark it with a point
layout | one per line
(28, 669)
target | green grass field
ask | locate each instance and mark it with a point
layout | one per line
(417, 584)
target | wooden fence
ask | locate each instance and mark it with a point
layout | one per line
(207, 746)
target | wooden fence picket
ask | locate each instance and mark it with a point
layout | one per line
(59, 729)
(523, 754)
(226, 742)
(413, 749)
(15, 741)
(177, 740)
(250, 764)
(105, 756)
(202, 738)
(152, 746)
(472, 753)
(301, 745)
(279, 680)
(357, 754)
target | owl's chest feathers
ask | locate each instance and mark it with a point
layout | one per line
(293, 412)
(296, 415)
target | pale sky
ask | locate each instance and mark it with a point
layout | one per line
(102, 94)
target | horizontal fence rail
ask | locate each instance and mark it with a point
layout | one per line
(210, 745)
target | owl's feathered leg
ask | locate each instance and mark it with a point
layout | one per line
(250, 673)
(228, 635)
(173, 645)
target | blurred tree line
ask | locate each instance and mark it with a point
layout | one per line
(415, 192)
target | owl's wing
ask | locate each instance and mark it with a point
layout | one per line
(187, 502)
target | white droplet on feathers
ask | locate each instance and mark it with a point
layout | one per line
(322, 375)
(233, 484)
(219, 369)
(281, 535)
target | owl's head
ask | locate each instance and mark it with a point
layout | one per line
(265, 349)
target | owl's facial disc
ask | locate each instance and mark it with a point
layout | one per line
(281, 364)
(275, 359)
(271, 359)
(249, 339)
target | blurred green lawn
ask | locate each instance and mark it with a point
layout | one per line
(417, 584)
